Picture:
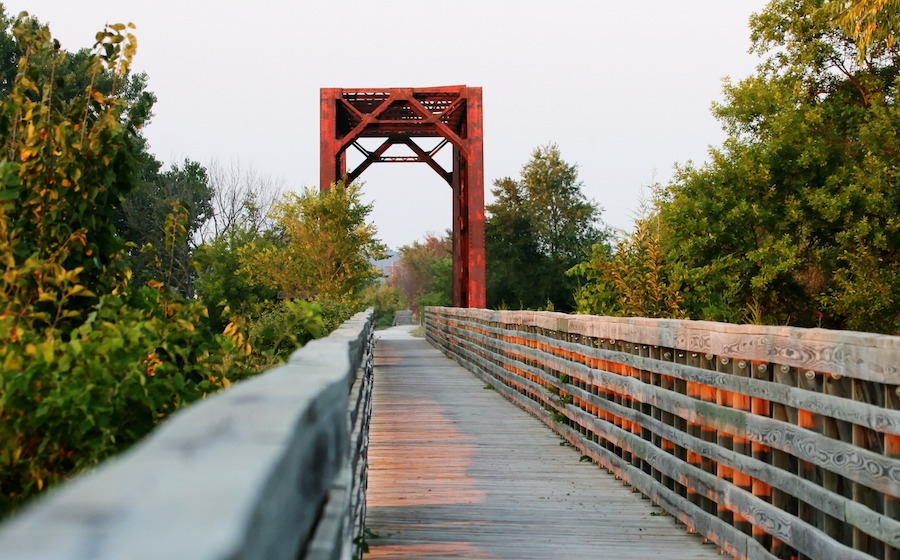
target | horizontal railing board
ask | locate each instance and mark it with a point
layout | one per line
(877, 418)
(698, 520)
(867, 356)
(242, 474)
(505, 343)
(861, 465)
(871, 522)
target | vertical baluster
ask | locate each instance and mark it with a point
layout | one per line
(646, 408)
(866, 438)
(783, 460)
(724, 439)
(667, 382)
(655, 378)
(841, 430)
(693, 391)
(680, 386)
(636, 405)
(760, 406)
(810, 381)
(708, 433)
(741, 445)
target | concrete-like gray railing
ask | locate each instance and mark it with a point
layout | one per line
(273, 468)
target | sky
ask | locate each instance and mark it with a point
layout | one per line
(623, 88)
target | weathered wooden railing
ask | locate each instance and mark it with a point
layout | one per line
(273, 468)
(771, 442)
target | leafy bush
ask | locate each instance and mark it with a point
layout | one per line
(284, 328)
(88, 364)
(386, 299)
(68, 399)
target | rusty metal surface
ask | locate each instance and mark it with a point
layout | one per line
(399, 115)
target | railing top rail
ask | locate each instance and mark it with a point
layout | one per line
(867, 356)
(241, 475)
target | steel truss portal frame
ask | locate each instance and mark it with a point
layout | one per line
(399, 116)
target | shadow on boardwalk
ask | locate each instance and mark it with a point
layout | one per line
(456, 471)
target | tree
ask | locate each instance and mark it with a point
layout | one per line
(241, 199)
(543, 224)
(793, 220)
(634, 280)
(141, 220)
(89, 362)
(870, 23)
(415, 271)
(325, 247)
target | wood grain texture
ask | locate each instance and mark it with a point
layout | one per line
(786, 528)
(873, 523)
(867, 356)
(779, 454)
(456, 471)
(860, 465)
(877, 418)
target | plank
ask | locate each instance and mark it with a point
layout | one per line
(457, 471)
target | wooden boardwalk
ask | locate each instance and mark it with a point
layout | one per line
(457, 471)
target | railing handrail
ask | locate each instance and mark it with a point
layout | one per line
(254, 472)
(860, 355)
(769, 441)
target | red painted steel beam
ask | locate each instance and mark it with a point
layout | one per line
(453, 113)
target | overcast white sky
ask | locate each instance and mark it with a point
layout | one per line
(624, 88)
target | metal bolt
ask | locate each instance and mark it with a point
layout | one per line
(742, 364)
(763, 368)
(785, 369)
(838, 376)
(724, 361)
(810, 374)
(667, 355)
(709, 357)
(680, 355)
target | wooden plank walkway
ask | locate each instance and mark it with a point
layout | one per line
(457, 471)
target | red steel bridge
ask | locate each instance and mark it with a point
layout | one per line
(399, 116)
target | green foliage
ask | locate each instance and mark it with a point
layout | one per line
(141, 220)
(220, 282)
(69, 399)
(290, 324)
(89, 363)
(386, 299)
(793, 220)
(633, 281)
(325, 248)
(542, 224)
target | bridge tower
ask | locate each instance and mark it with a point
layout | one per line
(399, 116)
